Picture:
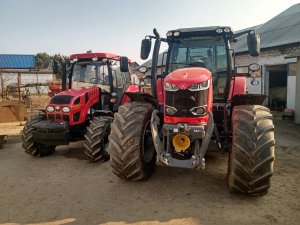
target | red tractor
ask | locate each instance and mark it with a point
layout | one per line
(199, 100)
(84, 109)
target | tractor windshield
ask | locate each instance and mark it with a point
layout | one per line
(209, 52)
(97, 73)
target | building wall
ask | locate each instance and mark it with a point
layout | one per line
(268, 58)
(271, 56)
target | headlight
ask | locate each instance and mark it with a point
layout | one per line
(198, 111)
(227, 29)
(176, 34)
(171, 87)
(65, 109)
(50, 109)
(254, 67)
(200, 86)
(170, 33)
(219, 30)
(170, 110)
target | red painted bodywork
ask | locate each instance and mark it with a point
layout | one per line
(93, 92)
(98, 55)
(184, 78)
(82, 107)
(130, 89)
(160, 90)
(238, 86)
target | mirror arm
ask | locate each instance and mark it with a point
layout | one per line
(243, 32)
(154, 37)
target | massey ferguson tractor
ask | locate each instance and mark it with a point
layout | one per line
(84, 109)
(199, 100)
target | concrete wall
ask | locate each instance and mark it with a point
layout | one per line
(269, 57)
(297, 95)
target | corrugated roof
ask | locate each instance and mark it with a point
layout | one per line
(11, 61)
(281, 30)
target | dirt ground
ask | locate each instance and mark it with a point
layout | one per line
(65, 188)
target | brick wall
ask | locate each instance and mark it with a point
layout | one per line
(269, 57)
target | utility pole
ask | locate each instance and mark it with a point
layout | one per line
(19, 86)
(2, 85)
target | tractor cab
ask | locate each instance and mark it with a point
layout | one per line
(203, 49)
(103, 71)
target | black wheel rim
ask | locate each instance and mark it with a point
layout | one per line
(147, 144)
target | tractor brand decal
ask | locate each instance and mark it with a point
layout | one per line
(183, 86)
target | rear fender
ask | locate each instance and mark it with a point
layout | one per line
(130, 89)
(247, 99)
(237, 87)
(141, 97)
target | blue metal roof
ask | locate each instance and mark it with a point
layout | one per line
(11, 61)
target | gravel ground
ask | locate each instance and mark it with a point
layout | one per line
(65, 188)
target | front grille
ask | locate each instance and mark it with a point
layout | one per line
(65, 118)
(184, 100)
(58, 117)
(51, 117)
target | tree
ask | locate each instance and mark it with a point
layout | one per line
(58, 61)
(43, 60)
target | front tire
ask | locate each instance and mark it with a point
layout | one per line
(96, 139)
(131, 147)
(29, 144)
(252, 157)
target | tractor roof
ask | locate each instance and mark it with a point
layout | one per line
(98, 55)
(202, 29)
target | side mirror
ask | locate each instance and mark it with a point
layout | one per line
(124, 64)
(253, 42)
(145, 48)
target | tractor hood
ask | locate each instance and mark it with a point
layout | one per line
(66, 97)
(184, 78)
(75, 92)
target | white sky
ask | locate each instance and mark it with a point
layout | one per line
(67, 27)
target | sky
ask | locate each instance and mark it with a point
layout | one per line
(75, 26)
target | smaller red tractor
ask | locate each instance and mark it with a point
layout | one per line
(84, 109)
(199, 99)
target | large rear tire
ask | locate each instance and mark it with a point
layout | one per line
(29, 144)
(251, 160)
(132, 152)
(96, 139)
